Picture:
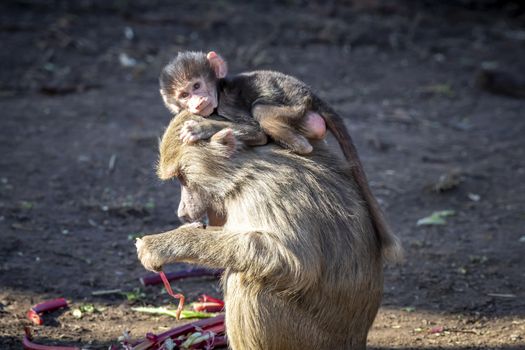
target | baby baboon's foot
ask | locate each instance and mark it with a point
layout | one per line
(314, 126)
(298, 145)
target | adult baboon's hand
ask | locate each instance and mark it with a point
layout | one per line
(149, 254)
(154, 251)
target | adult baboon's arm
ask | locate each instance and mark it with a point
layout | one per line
(259, 255)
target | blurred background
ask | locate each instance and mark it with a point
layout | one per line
(431, 91)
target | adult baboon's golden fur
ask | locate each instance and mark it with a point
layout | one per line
(304, 269)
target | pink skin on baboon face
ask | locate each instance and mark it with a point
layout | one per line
(191, 207)
(198, 97)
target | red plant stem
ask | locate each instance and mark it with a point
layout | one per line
(152, 279)
(170, 292)
(217, 329)
(34, 317)
(218, 341)
(29, 345)
(46, 306)
(214, 324)
(191, 327)
(208, 307)
(207, 298)
(155, 339)
(50, 305)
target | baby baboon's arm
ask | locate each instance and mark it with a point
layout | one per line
(251, 135)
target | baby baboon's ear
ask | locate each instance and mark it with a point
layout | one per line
(226, 138)
(218, 64)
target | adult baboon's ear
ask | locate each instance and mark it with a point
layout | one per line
(166, 171)
(218, 64)
(225, 138)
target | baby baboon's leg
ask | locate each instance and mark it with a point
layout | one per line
(282, 124)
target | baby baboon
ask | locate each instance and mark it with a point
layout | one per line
(279, 104)
(303, 267)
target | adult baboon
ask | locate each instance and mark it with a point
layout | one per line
(303, 267)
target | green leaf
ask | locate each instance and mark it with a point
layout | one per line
(196, 338)
(88, 308)
(84, 309)
(173, 313)
(26, 205)
(156, 310)
(169, 344)
(436, 218)
(444, 89)
(195, 314)
(134, 295)
(106, 292)
(150, 204)
(77, 313)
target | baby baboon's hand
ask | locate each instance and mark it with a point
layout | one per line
(149, 254)
(193, 131)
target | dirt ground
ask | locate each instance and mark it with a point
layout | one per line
(81, 115)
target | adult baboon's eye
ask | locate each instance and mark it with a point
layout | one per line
(181, 178)
(196, 86)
